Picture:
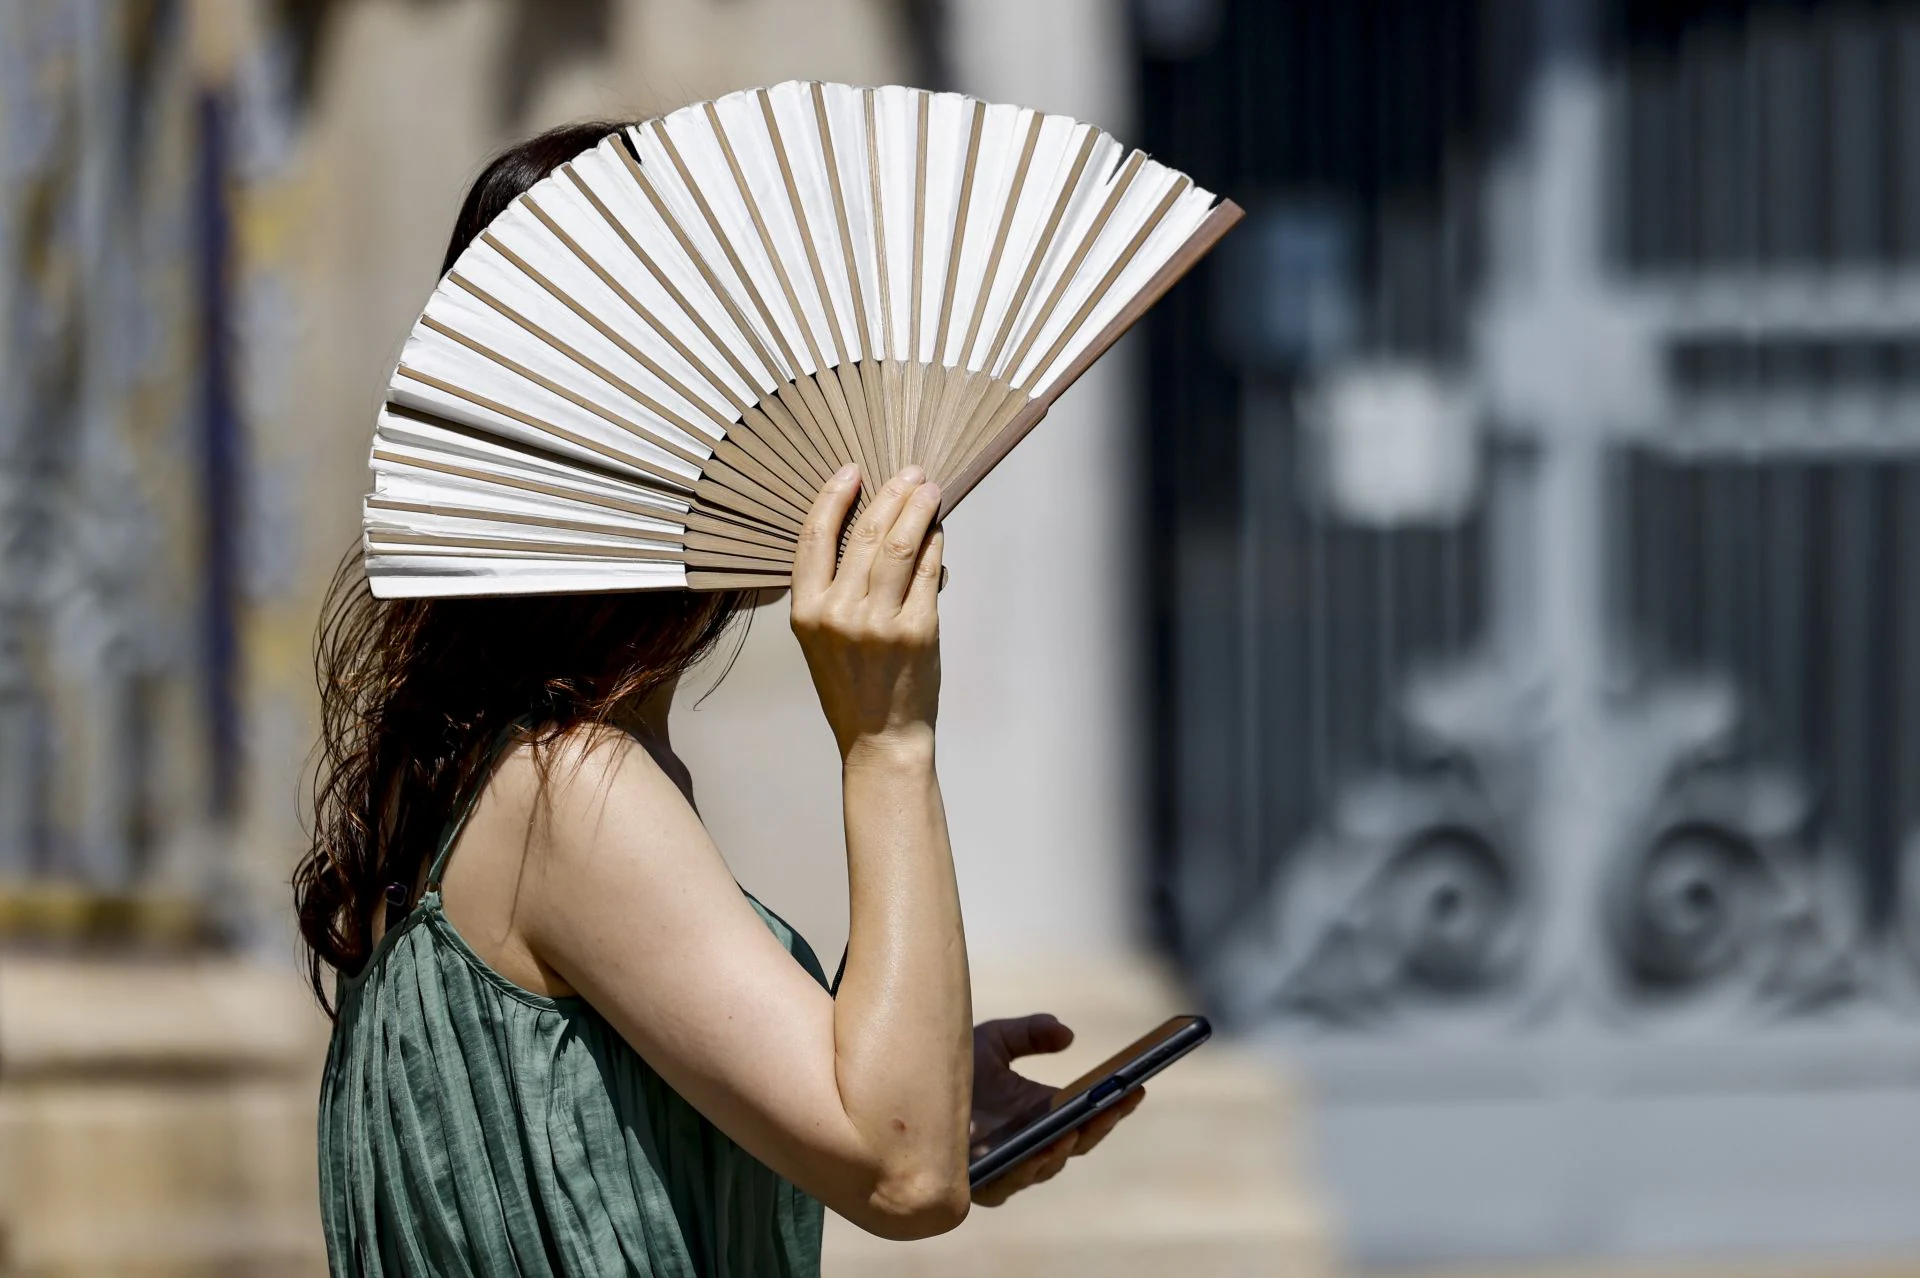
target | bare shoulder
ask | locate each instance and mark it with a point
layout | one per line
(579, 788)
(558, 822)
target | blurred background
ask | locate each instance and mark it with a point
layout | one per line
(1467, 642)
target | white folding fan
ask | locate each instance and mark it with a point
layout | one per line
(640, 374)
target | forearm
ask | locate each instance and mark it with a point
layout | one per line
(903, 1024)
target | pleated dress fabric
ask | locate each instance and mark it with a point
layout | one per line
(472, 1127)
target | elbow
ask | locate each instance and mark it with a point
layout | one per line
(918, 1206)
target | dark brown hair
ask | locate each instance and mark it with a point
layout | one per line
(412, 691)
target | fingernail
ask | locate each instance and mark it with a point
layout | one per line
(913, 474)
(931, 490)
(846, 472)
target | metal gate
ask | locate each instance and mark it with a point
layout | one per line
(1537, 625)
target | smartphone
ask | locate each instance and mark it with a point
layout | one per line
(1075, 1105)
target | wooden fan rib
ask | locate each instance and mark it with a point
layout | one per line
(710, 560)
(720, 422)
(767, 246)
(959, 241)
(838, 193)
(736, 553)
(859, 431)
(1043, 246)
(661, 473)
(913, 383)
(815, 408)
(853, 390)
(924, 112)
(487, 437)
(737, 580)
(1100, 289)
(873, 385)
(545, 549)
(725, 475)
(893, 377)
(978, 427)
(1221, 220)
(913, 373)
(774, 459)
(974, 404)
(991, 416)
(870, 413)
(934, 383)
(495, 515)
(841, 349)
(1130, 171)
(789, 361)
(712, 522)
(691, 455)
(770, 420)
(713, 493)
(1005, 229)
(707, 490)
(934, 402)
(528, 485)
(521, 484)
(887, 419)
(836, 417)
(673, 290)
(777, 371)
(837, 414)
(744, 452)
(878, 198)
(719, 473)
(636, 429)
(809, 411)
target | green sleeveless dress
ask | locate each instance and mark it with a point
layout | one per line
(472, 1127)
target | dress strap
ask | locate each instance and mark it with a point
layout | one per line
(469, 800)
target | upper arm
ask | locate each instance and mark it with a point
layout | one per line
(634, 907)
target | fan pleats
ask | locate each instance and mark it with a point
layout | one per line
(641, 373)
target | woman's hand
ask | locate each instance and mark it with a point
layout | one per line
(1001, 1095)
(870, 628)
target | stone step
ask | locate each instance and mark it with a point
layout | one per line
(157, 1119)
(1130, 1235)
(60, 1017)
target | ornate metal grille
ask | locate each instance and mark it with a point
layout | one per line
(1538, 649)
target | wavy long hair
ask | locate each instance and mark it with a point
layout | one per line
(413, 691)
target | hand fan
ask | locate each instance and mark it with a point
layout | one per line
(640, 374)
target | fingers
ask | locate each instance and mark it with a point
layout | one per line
(1041, 1166)
(998, 1192)
(897, 560)
(1047, 1164)
(819, 540)
(871, 530)
(1031, 1035)
(929, 576)
(1096, 1131)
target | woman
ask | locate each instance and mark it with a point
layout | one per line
(566, 1041)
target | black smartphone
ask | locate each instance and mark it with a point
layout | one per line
(1075, 1105)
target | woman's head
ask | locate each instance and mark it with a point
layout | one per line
(412, 691)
